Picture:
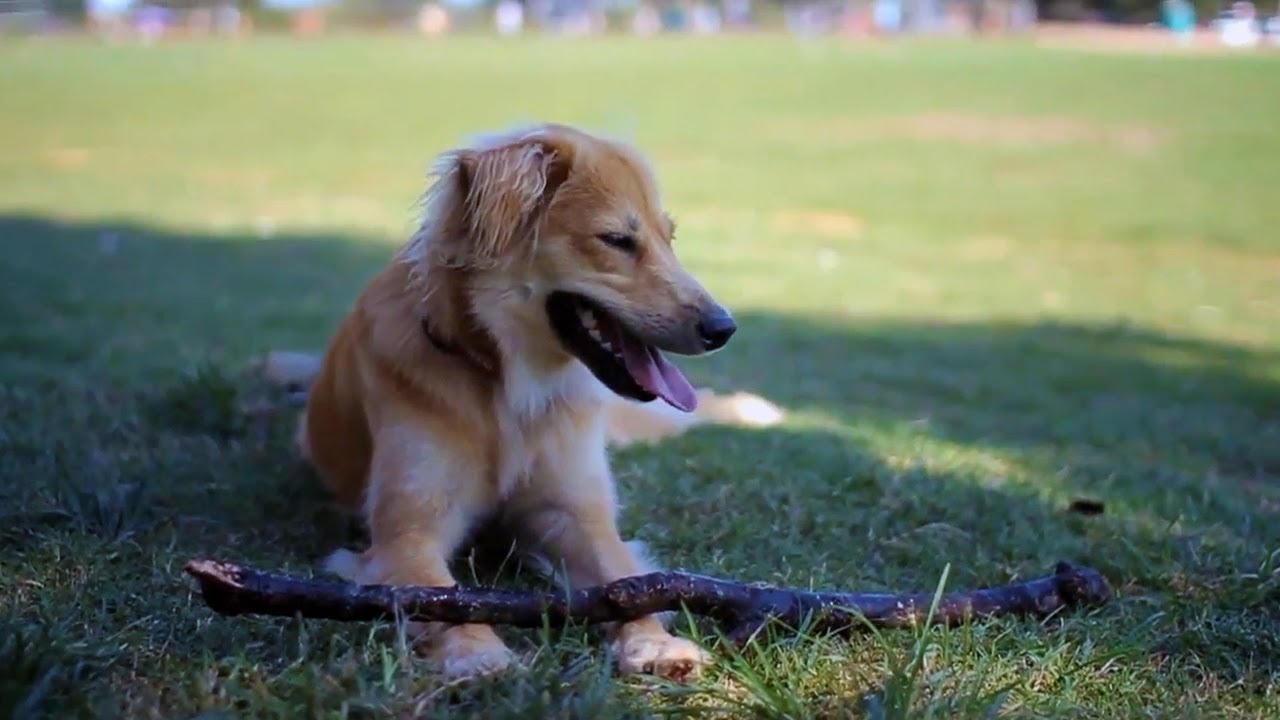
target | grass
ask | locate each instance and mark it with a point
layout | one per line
(986, 279)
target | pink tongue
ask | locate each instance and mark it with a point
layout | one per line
(652, 371)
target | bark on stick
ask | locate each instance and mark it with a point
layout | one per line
(740, 608)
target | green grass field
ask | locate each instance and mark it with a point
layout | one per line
(986, 280)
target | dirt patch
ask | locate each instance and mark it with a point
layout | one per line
(987, 248)
(1027, 130)
(820, 223)
(977, 129)
(66, 157)
(829, 224)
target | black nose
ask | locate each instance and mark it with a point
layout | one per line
(715, 328)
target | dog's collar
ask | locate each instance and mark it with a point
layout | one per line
(454, 349)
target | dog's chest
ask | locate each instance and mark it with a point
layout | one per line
(536, 412)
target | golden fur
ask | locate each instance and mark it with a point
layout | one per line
(445, 400)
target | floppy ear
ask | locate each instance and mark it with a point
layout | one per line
(488, 201)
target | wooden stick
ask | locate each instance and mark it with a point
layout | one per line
(743, 608)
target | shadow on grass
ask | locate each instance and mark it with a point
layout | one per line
(1133, 416)
(120, 303)
(1179, 430)
(916, 443)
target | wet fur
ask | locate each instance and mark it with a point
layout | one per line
(444, 402)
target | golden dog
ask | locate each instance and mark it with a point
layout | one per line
(481, 374)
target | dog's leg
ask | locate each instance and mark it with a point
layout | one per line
(425, 491)
(567, 512)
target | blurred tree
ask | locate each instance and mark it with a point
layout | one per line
(75, 11)
(1122, 11)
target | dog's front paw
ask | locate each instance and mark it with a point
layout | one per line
(662, 655)
(490, 661)
(466, 658)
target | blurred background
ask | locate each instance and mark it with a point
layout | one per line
(1237, 22)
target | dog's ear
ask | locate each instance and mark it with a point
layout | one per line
(487, 200)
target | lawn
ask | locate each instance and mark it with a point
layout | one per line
(985, 280)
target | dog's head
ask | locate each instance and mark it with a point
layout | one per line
(569, 229)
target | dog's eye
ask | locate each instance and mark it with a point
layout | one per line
(621, 241)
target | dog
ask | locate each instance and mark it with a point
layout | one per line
(482, 373)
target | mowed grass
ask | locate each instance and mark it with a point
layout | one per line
(986, 280)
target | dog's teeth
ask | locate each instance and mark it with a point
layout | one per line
(595, 335)
(588, 319)
(607, 346)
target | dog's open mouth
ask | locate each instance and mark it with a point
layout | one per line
(623, 362)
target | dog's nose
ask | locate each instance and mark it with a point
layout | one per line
(715, 328)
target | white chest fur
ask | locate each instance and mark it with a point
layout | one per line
(536, 411)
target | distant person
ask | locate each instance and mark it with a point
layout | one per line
(1023, 14)
(1241, 29)
(673, 17)
(227, 19)
(646, 22)
(433, 19)
(1272, 27)
(508, 17)
(107, 16)
(1180, 18)
(887, 15)
(737, 13)
(704, 19)
(152, 22)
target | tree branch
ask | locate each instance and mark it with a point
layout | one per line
(742, 608)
